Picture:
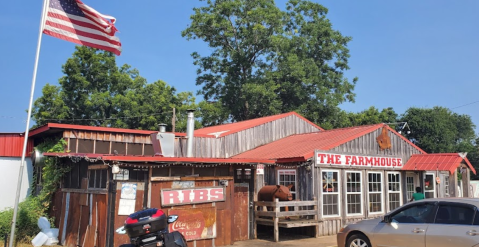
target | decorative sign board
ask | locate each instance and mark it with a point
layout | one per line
(123, 174)
(128, 191)
(260, 169)
(357, 160)
(194, 223)
(171, 197)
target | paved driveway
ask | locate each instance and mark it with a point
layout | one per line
(290, 241)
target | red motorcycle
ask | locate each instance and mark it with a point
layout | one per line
(149, 227)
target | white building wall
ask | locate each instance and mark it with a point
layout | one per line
(9, 169)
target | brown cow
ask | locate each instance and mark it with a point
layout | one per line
(269, 193)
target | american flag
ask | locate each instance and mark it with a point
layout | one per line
(73, 21)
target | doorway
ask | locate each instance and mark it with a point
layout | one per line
(243, 196)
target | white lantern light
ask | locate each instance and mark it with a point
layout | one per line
(115, 169)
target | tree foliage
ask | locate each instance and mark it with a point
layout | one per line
(266, 61)
(439, 130)
(96, 92)
(372, 115)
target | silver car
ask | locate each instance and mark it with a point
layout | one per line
(438, 222)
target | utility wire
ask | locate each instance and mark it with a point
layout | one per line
(466, 104)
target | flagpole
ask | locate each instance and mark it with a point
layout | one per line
(22, 163)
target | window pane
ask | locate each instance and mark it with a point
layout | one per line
(375, 201)
(353, 193)
(354, 204)
(410, 187)
(394, 200)
(429, 182)
(330, 181)
(330, 205)
(476, 219)
(417, 214)
(331, 190)
(452, 214)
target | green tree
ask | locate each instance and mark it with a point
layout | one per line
(96, 92)
(266, 61)
(372, 115)
(439, 130)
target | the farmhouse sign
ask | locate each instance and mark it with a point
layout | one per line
(357, 160)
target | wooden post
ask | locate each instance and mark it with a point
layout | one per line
(316, 218)
(255, 223)
(276, 221)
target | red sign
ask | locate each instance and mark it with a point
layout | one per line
(357, 160)
(194, 223)
(192, 196)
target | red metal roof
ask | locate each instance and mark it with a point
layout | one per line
(301, 147)
(226, 129)
(11, 145)
(432, 162)
(120, 158)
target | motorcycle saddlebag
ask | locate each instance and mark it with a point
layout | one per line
(175, 239)
(145, 221)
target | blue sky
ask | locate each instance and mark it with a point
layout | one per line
(406, 53)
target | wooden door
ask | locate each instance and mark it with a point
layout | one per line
(241, 212)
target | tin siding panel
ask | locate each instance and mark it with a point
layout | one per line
(11, 145)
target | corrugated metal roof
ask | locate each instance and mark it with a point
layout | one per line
(227, 129)
(11, 145)
(160, 158)
(432, 162)
(303, 146)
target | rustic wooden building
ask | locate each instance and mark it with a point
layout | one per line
(108, 163)
(357, 173)
(210, 177)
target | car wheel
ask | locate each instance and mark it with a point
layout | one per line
(358, 240)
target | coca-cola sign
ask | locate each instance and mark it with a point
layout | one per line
(194, 223)
(171, 197)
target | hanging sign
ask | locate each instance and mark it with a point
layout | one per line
(171, 197)
(357, 160)
(260, 169)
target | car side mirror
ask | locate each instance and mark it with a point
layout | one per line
(387, 219)
(172, 218)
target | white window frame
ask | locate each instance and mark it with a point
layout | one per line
(293, 172)
(331, 193)
(433, 182)
(381, 193)
(410, 192)
(446, 186)
(360, 193)
(392, 191)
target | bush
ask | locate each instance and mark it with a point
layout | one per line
(29, 211)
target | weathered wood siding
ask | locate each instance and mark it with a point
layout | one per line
(239, 142)
(368, 145)
(107, 136)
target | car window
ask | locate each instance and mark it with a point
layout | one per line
(476, 218)
(454, 214)
(419, 213)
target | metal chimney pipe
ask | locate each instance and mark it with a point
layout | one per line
(162, 127)
(190, 128)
